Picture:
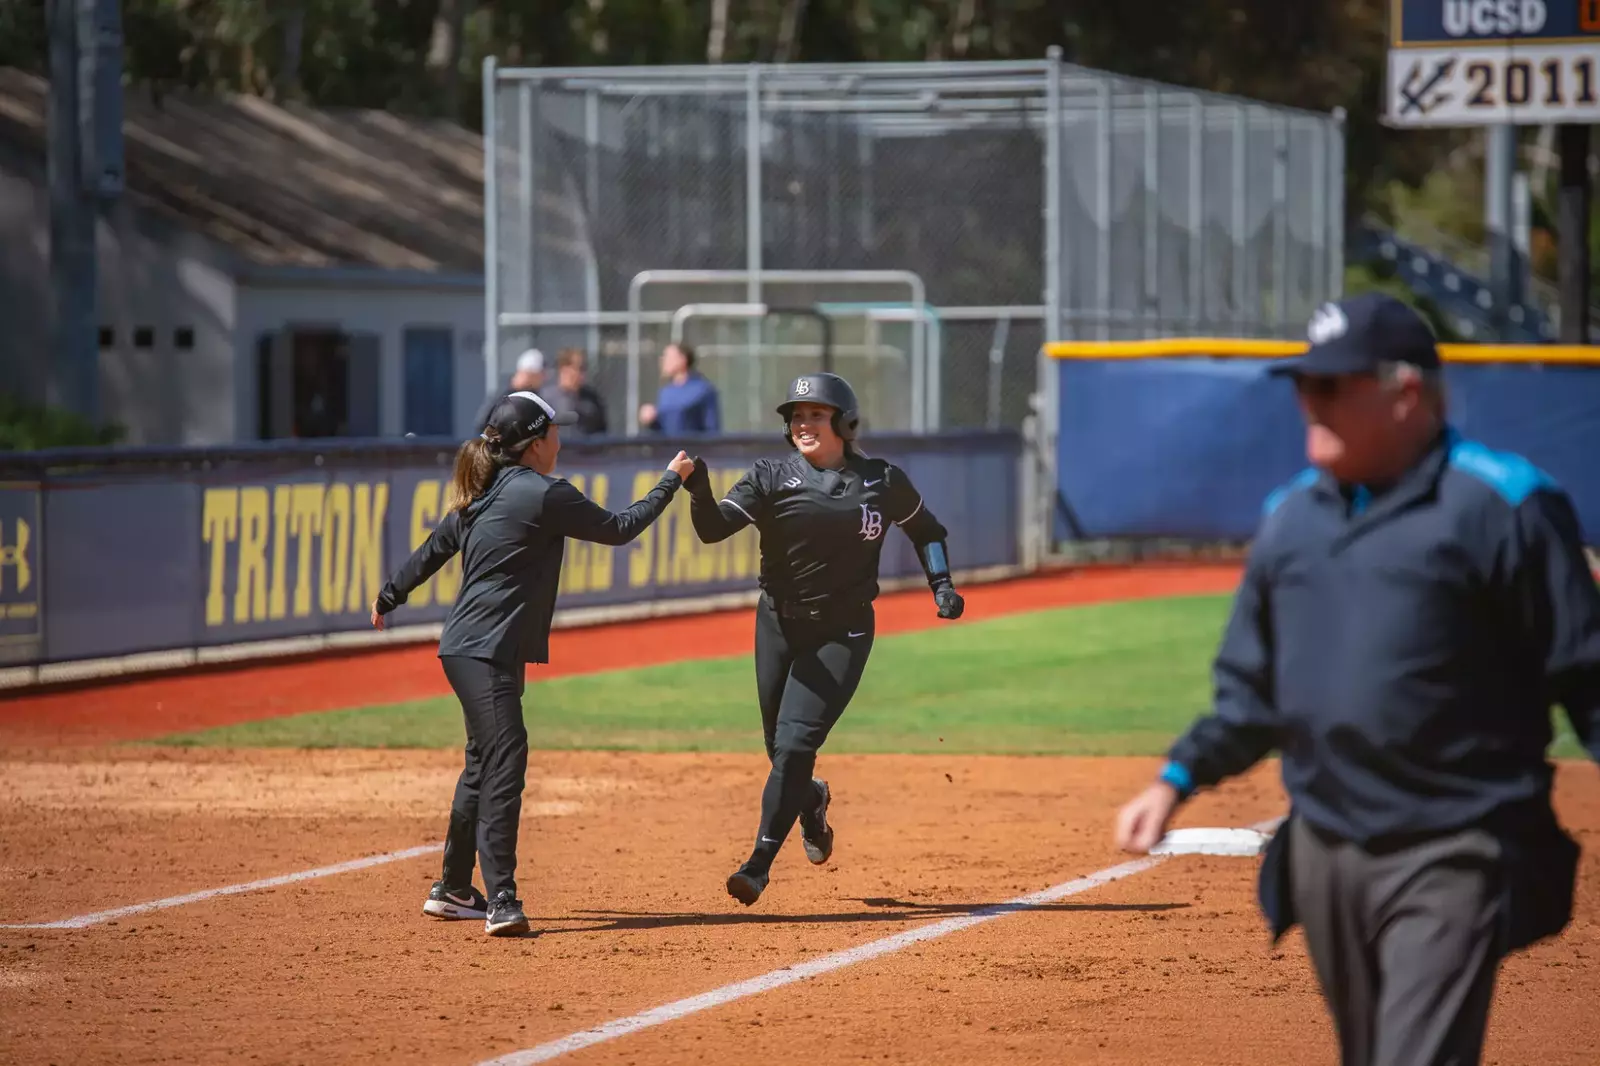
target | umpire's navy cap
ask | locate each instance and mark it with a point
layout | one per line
(523, 417)
(1357, 335)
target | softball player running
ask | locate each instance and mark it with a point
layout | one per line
(822, 514)
(509, 519)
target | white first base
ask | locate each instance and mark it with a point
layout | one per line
(1243, 842)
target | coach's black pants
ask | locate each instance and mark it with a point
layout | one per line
(488, 803)
(1405, 942)
(806, 672)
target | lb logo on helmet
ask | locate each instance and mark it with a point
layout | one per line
(829, 390)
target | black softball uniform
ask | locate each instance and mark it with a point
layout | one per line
(511, 541)
(822, 535)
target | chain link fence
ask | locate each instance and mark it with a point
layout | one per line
(1025, 202)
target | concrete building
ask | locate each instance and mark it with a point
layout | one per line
(270, 271)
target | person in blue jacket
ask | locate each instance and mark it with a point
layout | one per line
(687, 401)
(1411, 608)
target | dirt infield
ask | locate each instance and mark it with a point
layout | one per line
(623, 861)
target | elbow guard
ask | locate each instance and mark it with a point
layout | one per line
(935, 563)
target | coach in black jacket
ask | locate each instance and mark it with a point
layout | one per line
(1411, 608)
(509, 519)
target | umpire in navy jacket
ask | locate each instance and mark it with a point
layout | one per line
(1411, 608)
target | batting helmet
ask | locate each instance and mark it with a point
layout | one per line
(830, 390)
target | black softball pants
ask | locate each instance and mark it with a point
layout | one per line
(487, 808)
(806, 673)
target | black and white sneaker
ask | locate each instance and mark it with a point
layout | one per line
(455, 903)
(816, 835)
(747, 883)
(505, 916)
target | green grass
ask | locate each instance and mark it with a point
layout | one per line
(1106, 679)
(1109, 679)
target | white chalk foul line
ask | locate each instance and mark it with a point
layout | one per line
(826, 964)
(82, 921)
(800, 971)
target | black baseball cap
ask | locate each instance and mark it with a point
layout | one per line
(522, 418)
(1356, 335)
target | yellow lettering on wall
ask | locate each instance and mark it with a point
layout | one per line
(282, 504)
(305, 522)
(689, 556)
(250, 595)
(641, 561)
(219, 525)
(335, 569)
(366, 545)
(15, 555)
(671, 553)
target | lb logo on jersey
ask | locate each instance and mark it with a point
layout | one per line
(792, 483)
(871, 523)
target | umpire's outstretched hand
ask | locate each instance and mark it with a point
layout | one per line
(1143, 821)
(951, 605)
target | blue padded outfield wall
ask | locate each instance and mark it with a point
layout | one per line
(1190, 446)
(116, 552)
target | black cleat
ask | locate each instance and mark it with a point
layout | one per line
(455, 903)
(746, 884)
(816, 835)
(505, 916)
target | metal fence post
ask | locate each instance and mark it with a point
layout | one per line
(1197, 212)
(1102, 209)
(1039, 489)
(1335, 136)
(753, 225)
(491, 233)
(1280, 222)
(525, 194)
(1152, 209)
(864, 166)
(591, 197)
(1238, 298)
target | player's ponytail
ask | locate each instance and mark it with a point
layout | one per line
(477, 462)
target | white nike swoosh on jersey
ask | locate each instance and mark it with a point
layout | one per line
(861, 634)
(869, 484)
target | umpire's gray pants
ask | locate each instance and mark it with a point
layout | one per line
(1405, 943)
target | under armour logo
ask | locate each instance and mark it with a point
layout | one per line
(792, 483)
(16, 555)
(1329, 322)
(802, 387)
(871, 523)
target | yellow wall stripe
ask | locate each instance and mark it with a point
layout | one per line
(1241, 348)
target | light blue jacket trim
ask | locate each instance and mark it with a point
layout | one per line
(1511, 476)
(1177, 775)
(1304, 479)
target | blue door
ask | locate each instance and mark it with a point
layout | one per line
(429, 381)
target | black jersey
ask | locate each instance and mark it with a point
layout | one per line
(822, 531)
(511, 541)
